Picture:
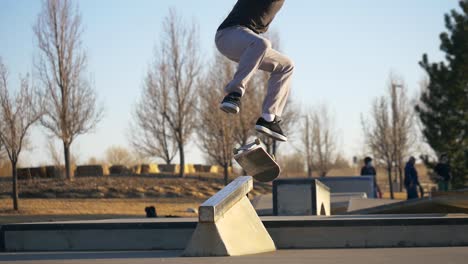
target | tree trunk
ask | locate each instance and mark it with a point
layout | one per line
(389, 171)
(66, 152)
(309, 171)
(182, 161)
(15, 185)
(400, 175)
(226, 173)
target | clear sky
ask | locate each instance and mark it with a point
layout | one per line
(343, 50)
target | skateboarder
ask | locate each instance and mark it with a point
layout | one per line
(238, 38)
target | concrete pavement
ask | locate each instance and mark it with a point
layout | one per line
(452, 255)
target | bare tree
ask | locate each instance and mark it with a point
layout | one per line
(70, 102)
(324, 140)
(151, 135)
(341, 162)
(292, 165)
(216, 129)
(55, 156)
(17, 114)
(378, 136)
(308, 145)
(179, 52)
(319, 138)
(118, 155)
(390, 134)
(403, 134)
(94, 161)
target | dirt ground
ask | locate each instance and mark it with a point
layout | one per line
(109, 197)
(112, 197)
(193, 187)
(67, 209)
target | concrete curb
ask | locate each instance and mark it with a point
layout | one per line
(368, 231)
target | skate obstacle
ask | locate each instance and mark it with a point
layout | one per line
(228, 225)
(300, 197)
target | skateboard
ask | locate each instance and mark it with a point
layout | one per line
(253, 158)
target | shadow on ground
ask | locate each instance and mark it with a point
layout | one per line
(44, 256)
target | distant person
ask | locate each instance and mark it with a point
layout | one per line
(151, 211)
(368, 169)
(411, 179)
(239, 39)
(442, 169)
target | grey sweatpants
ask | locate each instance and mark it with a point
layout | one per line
(253, 52)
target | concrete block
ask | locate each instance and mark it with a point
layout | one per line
(300, 197)
(263, 204)
(360, 204)
(288, 232)
(228, 225)
(350, 184)
(340, 201)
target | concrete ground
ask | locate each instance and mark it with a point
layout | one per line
(453, 255)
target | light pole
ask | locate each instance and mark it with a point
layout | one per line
(396, 137)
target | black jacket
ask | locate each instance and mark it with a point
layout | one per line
(368, 171)
(443, 170)
(254, 14)
(411, 176)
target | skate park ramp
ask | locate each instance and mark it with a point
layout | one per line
(339, 202)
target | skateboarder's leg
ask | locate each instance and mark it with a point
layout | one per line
(245, 47)
(281, 69)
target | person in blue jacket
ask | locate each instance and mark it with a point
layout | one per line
(411, 179)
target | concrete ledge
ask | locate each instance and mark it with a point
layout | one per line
(445, 205)
(349, 231)
(215, 207)
(350, 184)
(228, 225)
(356, 204)
(133, 234)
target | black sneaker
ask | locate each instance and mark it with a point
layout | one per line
(271, 129)
(231, 103)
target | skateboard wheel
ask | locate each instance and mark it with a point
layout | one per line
(257, 141)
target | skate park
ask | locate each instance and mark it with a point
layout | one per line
(225, 228)
(238, 131)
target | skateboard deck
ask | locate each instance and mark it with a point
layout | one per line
(257, 162)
